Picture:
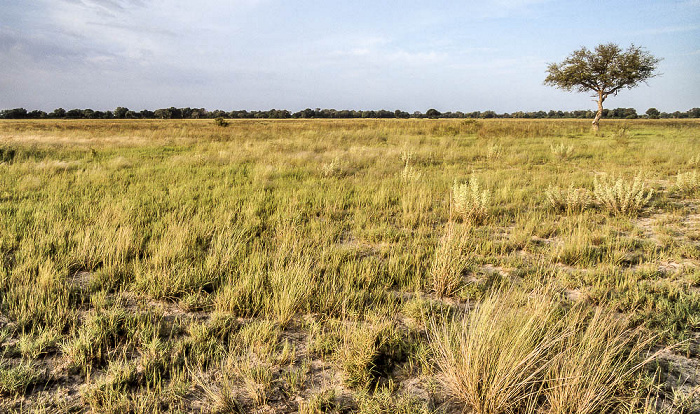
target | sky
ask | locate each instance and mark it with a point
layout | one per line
(262, 54)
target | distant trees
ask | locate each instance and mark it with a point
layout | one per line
(58, 113)
(604, 71)
(432, 113)
(202, 113)
(16, 113)
(120, 112)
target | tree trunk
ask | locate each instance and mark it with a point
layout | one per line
(598, 114)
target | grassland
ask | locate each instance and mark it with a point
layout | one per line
(369, 266)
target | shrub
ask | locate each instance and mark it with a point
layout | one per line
(408, 174)
(562, 151)
(220, 121)
(620, 197)
(470, 201)
(687, 183)
(572, 200)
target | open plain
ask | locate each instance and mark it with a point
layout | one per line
(369, 266)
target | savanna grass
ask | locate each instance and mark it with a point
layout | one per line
(296, 265)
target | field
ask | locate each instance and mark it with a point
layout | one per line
(365, 266)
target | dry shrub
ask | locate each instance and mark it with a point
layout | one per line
(562, 151)
(687, 183)
(620, 196)
(470, 201)
(572, 200)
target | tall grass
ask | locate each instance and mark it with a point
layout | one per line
(519, 352)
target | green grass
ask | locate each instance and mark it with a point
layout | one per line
(298, 265)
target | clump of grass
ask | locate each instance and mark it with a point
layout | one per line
(369, 352)
(295, 377)
(572, 200)
(591, 366)
(687, 183)
(107, 394)
(97, 336)
(415, 198)
(449, 263)
(39, 342)
(492, 359)
(494, 152)
(7, 154)
(562, 151)
(409, 174)
(385, 401)
(292, 280)
(332, 168)
(620, 196)
(522, 352)
(255, 377)
(222, 394)
(15, 380)
(470, 201)
(323, 402)
(239, 378)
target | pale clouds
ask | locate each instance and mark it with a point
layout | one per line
(258, 54)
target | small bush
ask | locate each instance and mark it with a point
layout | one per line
(621, 197)
(7, 154)
(220, 121)
(687, 183)
(408, 174)
(573, 200)
(470, 201)
(562, 151)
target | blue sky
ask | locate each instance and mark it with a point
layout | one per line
(263, 54)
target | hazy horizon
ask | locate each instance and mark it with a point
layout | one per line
(263, 54)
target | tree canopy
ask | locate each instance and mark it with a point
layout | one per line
(606, 70)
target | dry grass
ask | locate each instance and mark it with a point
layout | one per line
(513, 351)
(295, 265)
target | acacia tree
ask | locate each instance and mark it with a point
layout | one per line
(604, 71)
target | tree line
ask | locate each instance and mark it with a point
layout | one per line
(201, 113)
